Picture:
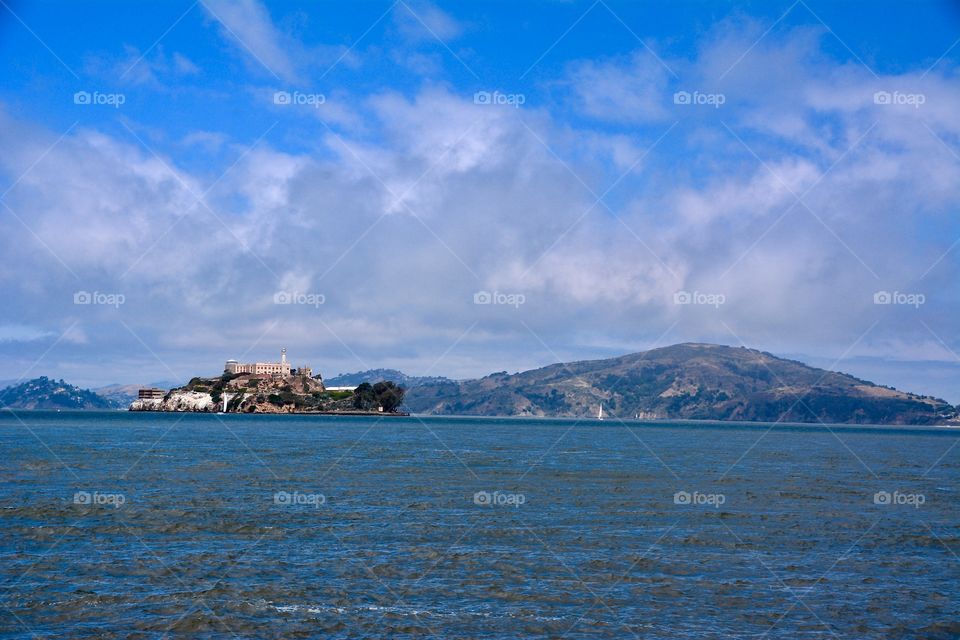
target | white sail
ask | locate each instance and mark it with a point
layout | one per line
(600, 413)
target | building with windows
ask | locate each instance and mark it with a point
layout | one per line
(280, 369)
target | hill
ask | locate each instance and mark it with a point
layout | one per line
(121, 395)
(374, 376)
(118, 394)
(44, 393)
(684, 381)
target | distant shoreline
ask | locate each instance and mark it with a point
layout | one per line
(586, 421)
(252, 414)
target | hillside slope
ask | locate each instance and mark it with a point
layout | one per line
(121, 395)
(44, 393)
(381, 375)
(684, 381)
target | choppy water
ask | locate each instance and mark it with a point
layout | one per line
(117, 525)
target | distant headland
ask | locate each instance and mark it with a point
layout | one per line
(689, 381)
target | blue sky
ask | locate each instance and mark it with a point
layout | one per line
(642, 174)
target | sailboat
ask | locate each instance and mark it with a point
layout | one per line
(600, 413)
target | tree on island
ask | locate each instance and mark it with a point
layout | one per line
(369, 397)
(389, 395)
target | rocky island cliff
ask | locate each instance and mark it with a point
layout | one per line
(273, 393)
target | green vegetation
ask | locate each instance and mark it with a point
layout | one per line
(246, 393)
(44, 393)
(684, 381)
(234, 403)
(369, 397)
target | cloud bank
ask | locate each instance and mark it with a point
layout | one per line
(779, 190)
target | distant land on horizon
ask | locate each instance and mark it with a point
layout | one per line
(382, 375)
(48, 393)
(691, 381)
(123, 394)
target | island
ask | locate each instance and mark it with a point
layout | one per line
(272, 387)
(688, 381)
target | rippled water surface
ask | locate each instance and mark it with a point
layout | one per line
(117, 525)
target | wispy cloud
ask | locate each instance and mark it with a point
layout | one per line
(247, 25)
(420, 20)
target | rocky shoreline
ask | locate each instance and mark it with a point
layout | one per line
(160, 406)
(260, 393)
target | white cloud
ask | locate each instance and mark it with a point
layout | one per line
(209, 140)
(486, 205)
(21, 333)
(184, 65)
(624, 90)
(155, 69)
(248, 26)
(425, 21)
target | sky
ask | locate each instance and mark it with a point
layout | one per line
(467, 187)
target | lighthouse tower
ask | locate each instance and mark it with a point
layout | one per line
(283, 355)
